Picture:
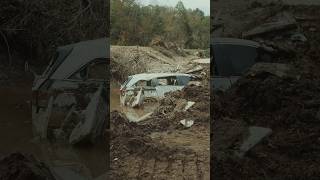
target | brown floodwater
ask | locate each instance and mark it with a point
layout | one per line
(16, 136)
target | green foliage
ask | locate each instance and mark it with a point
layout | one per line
(134, 24)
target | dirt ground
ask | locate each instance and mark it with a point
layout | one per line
(160, 147)
(288, 106)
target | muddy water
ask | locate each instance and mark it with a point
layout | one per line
(133, 114)
(16, 136)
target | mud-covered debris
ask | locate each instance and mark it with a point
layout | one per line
(195, 69)
(41, 120)
(282, 104)
(138, 99)
(19, 166)
(277, 69)
(93, 124)
(286, 22)
(63, 173)
(202, 61)
(189, 105)
(144, 117)
(180, 105)
(64, 100)
(256, 135)
(187, 122)
(298, 37)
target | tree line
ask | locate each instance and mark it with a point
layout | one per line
(135, 24)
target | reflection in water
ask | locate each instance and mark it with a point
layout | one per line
(133, 114)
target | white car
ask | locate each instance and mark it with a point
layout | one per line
(153, 85)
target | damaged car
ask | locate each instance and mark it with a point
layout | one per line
(70, 98)
(151, 85)
(232, 57)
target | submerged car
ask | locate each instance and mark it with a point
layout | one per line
(70, 98)
(232, 57)
(152, 85)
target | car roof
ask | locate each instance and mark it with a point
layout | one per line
(148, 76)
(77, 55)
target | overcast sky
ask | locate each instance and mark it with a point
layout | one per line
(203, 5)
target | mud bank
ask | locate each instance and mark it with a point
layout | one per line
(161, 147)
(289, 107)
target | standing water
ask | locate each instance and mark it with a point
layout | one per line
(16, 136)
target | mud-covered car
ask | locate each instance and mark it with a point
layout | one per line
(151, 85)
(232, 57)
(70, 98)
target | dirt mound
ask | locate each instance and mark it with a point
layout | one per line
(291, 100)
(290, 107)
(129, 137)
(120, 126)
(170, 111)
(131, 142)
(18, 166)
(160, 43)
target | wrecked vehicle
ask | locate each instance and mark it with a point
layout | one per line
(69, 100)
(152, 85)
(232, 57)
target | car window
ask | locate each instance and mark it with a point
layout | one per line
(80, 75)
(233, 60)
(167, 81)
(97, 70)
(141, 83)
(182, 80)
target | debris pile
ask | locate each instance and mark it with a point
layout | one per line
(167, 138)
(131, 141)
(18, 166)
(283, 105)
(289, 107)
(75, 115)
(191, 103)
(165, 46)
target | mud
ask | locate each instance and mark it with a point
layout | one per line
(138, 152)
(167, 117)
(288, 106)
(20, 167)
